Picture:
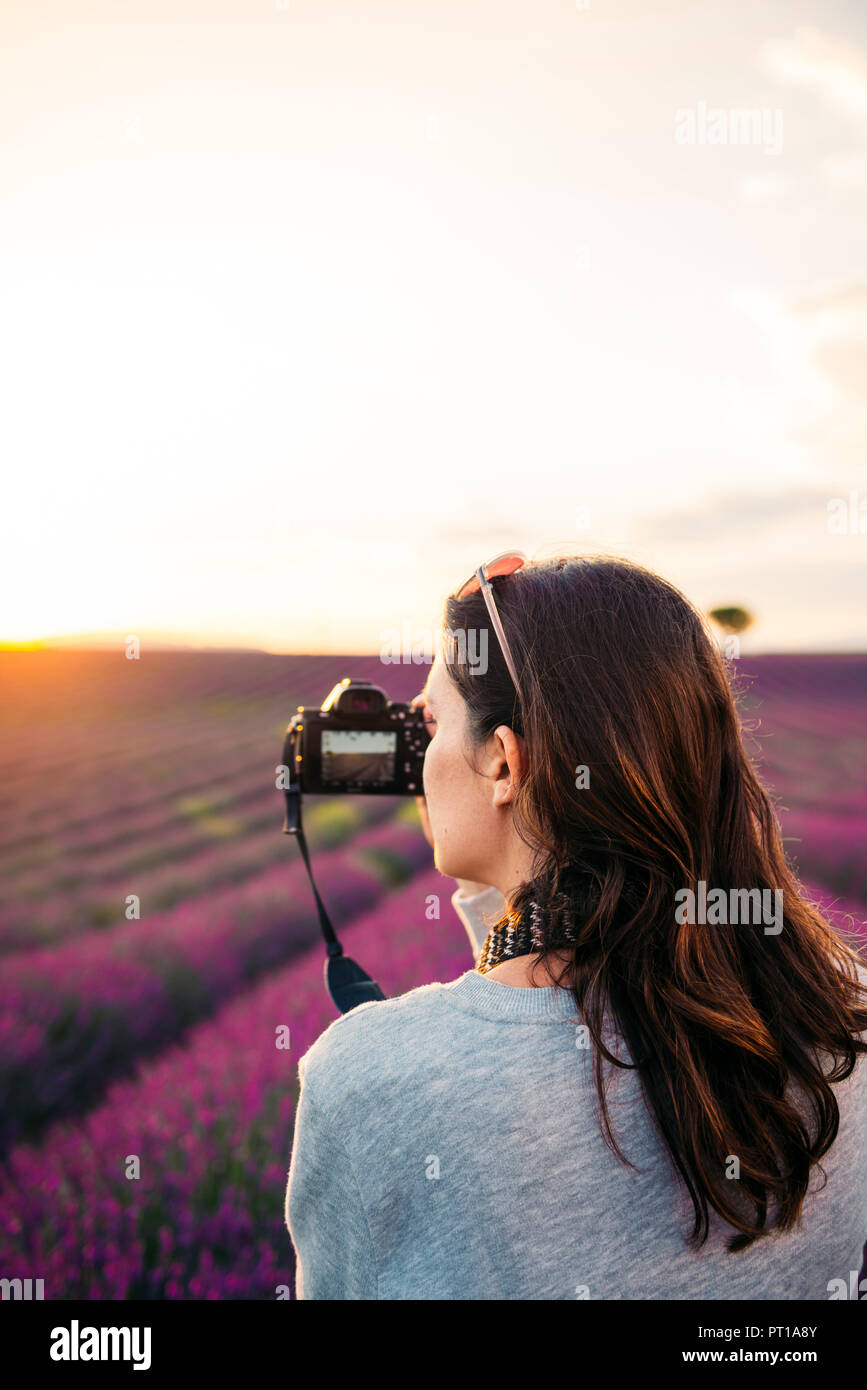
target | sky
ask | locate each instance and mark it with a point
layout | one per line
(309, 309)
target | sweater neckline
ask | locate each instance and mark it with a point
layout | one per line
(477, 993)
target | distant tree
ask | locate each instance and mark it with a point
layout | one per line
(732, 619)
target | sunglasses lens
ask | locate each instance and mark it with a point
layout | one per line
(501, 564)
(504, 564)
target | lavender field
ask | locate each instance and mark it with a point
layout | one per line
(145, 1108)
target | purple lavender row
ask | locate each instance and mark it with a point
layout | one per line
(145, 768)
(847, 915)
(121, 822)
(137, 790)
(826, 677)
(103, 758)
(211, 1124)
(81, 719)
(73, 1018)
(171, 871)
(56, 687)
(114, 725)
(116, 844)
(829, 850)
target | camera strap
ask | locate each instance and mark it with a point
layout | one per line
(345, 980)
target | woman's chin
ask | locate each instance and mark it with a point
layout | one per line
(451, 867)
(442, 861)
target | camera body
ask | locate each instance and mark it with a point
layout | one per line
(359, 741)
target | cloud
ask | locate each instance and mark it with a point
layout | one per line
(835, 324)
(818, 344)
(836, 71)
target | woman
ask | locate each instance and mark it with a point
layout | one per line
(629, 1096)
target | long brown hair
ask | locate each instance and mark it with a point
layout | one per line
(619, 674)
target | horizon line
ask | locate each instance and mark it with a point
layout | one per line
(56, 645)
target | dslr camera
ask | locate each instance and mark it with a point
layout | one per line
(358, 741)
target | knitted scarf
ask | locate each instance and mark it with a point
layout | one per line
(521, 934)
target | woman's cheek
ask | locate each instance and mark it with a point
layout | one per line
(435, 780)
(429, 771)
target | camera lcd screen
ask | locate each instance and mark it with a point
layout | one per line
(358, 755)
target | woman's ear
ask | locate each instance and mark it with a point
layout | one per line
(507, 764)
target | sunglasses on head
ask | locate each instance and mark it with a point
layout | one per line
(507, 563)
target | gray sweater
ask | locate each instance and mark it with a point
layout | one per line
(447, 1146)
